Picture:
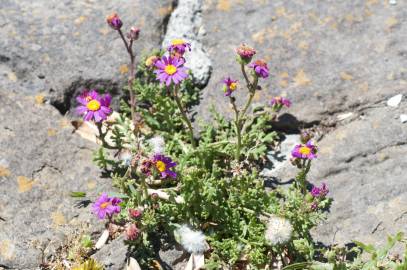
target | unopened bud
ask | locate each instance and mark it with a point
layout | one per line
(134, 33)
(135, 213)
(114, 21)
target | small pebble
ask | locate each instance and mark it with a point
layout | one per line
(403, 118)
(394, 101)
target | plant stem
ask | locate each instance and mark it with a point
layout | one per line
(238, 129)
(129, 48)
(184, 116)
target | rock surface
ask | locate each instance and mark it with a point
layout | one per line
(327, 56)
(59, 47)
(41, 162)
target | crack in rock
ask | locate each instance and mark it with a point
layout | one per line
(186, 22)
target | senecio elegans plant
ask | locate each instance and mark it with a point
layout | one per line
(200, 185)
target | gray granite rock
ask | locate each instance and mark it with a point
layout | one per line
(59, 47)
(41, 162)
(363, 163)
(327, 56)
(113, 255)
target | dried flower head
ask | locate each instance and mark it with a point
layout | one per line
(278, 231)
(192, 241)
(132, 232)
(93, 106)
(230, 86)
(106, 206)
(114, 21)
(157, 144)
(170, 69)
(260, 68)
(163, 165)
(245, 53)
(305, 151)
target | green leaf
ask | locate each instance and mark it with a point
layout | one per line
(77, 194)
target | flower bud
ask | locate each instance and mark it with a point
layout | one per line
(114, 21)
(305, 136)
(154, 196)
(134, 33)
(135, 213)
(150, 61)
(245, 53)
(132, 232)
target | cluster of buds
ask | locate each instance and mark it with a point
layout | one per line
(116, 23)
(316, 195)
(277, 103)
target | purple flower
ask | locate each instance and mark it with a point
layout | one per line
(245, 52)
(170, 69)
(93, 106)
(163, 165)
(280, 102)
(305, 151)
(260, 68)
(178, 47)
(230, 86)
(106, 206)
(317, 192)
(114, 21)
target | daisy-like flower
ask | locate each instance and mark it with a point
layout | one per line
(192, 241)
(305, 151)
(178, 47)
(106, 206)
(158, 145)
(230, 86)
(319, 192)
(245, 53)
(278, 102)
(93, 106)
(163, 165)
(278, 231)
(170, 69)
(114, 21)
(260, 68)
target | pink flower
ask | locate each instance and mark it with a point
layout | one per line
(230, 86)
(260, 68)
(320, 192)
(178, 47)
(135, 213)
(245, 52)
(305, 151)
(278, 102)
(170, 69)
(106, 206)
(93, 107)
(114, 21)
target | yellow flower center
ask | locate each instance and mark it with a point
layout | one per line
(304, 150)
(104, 205)
(233, 86)
(176, 42)
(160, 166)
(170, 69)
(93, 105)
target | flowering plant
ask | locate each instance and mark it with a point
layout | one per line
(200, 183)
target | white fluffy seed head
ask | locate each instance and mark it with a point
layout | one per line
(279, 230)
(192, 241)
(157, 144)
